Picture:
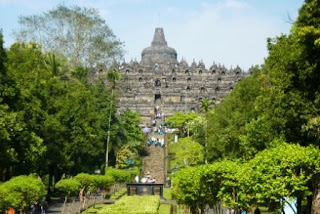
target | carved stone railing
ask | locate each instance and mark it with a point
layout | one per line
(145, 189)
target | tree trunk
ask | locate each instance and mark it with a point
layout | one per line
(49, 185)
(309, 204)
(299, 205)
(108, 136)
(316, 195)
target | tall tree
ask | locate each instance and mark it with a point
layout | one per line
(206, 104)
(112, 77)
(78, 34)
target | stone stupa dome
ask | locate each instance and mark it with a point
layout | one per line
(158, 52)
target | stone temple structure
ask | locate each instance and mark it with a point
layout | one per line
(161, 80)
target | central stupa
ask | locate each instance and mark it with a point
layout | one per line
(158, 52)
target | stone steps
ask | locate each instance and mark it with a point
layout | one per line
(155, 161)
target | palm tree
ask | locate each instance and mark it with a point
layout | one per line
(206, 105)
(112, 77)
(53, 64)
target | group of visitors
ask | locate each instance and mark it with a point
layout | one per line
(155, 141)
(148, 179)
(161, 130)
(37, 207)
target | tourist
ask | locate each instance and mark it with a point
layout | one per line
(148, 177)
(257, 211)
(162, 142)
(136, 179)
(230, 211)
(143, 180)
(243, 211)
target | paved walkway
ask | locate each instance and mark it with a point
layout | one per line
(57, 207)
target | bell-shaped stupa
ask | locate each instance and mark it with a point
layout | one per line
(158, 52)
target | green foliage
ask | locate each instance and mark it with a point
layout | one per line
(5, 204)
(126, 136)
(189, 189)
(198, 128)
(121, 175)
(21, 191)
(93, 182)
(133, 205)
(180, 120)
(122, 156)
(280, 172)
(78, 34)
(69, 187)
(209, 184)
(227, 122)
(283, 171)
(206, 105)
(45, 106)
(190, 154)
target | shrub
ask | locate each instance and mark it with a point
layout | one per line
(20, 192)
(101, 181)
(92, 182)
(122, 175)
(69, 187)
(133, 205)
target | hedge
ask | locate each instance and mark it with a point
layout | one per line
(69, 187)
(133, 205)
(92, 182)
(121, 175)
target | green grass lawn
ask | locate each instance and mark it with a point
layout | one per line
(118, 194)
(94, 209)
(164, 209)
(167, 193)
(173, 149)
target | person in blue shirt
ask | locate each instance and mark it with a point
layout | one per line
(243, 211)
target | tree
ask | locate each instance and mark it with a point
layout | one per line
(180, 120)
(189, 189)
(205, 107)
(112, 77)
(78, 34)
(227, 123)
(9, 120)
(69, 188)
(190, 154)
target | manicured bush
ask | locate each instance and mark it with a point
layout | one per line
(121, 175)
(92, 182)
(69, 187)
(133, 205)
(101, 181)
(20, 192)
(4, 203)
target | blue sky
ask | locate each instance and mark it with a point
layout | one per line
(230, 32)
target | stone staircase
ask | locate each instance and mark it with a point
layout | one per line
(155, 161)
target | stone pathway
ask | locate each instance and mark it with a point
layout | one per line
(155, 161)
(57, 207)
